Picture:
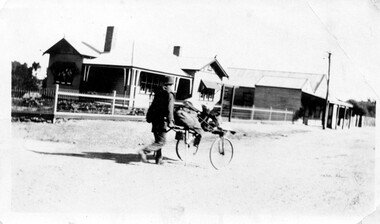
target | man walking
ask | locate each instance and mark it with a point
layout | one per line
(160, 114)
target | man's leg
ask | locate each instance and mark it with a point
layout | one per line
(160, 140)
(142, 152)
(158, 157)
(198, 136)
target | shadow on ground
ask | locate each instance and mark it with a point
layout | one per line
(117, 157)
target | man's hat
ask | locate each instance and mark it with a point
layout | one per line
(168, 80)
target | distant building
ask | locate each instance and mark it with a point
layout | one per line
(303, 93)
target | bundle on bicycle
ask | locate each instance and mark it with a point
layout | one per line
(191, 123)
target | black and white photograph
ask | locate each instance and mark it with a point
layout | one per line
(189, 111)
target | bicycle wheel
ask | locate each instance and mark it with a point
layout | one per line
(181, 146)
(221, 152)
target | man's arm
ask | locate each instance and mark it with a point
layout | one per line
(171, 110)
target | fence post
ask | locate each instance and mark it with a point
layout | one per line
(113, 102)
(286, 111)
(253, 112)
(222, 101)
(232, 103)
(55, 101)
(349, 123)
(270, 114)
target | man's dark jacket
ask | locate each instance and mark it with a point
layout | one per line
(160, 112)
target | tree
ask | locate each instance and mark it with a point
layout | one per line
(363, 108)
(36, 66)
(358, 108)
(22, 75)
(371, 108)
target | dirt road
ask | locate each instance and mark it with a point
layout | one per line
(279, 172)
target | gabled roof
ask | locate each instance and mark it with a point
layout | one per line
(197, 64)
(65, 46)
(209, 77)
(190, 63)
(139, 55)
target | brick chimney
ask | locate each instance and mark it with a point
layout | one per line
(177, 51)
(108, 41)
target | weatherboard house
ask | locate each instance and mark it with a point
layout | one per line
(133, 70)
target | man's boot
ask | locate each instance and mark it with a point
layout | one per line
(143, 156)
(159, 158)
(197, 140)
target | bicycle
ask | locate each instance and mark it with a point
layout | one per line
(221, 150)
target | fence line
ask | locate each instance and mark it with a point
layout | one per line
(110, 102)
(70, 103)
(255, 113)
(66, 103)
(45, 92)
(363, 121)
(84, 104)
(369, 121)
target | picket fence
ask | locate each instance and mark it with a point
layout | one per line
(263, 114)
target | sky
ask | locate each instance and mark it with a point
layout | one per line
(282, 35)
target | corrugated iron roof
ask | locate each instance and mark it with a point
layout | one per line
(139, 55)
(249, 77)
(243, 77)
(282, 82)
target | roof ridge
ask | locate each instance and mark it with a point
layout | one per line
(307, 81)
(319, 82)
(196, 57)
(285, 77)
(91, 47)
(253, 69)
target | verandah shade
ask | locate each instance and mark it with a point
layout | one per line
(211, 85)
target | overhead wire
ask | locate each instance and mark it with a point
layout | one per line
(342, 49)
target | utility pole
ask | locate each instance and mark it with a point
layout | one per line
(326, 111)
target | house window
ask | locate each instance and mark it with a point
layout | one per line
(207, 90)
(207, 94)
(149, 82)
(183, 89)
(247, 99)
(64, 72)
